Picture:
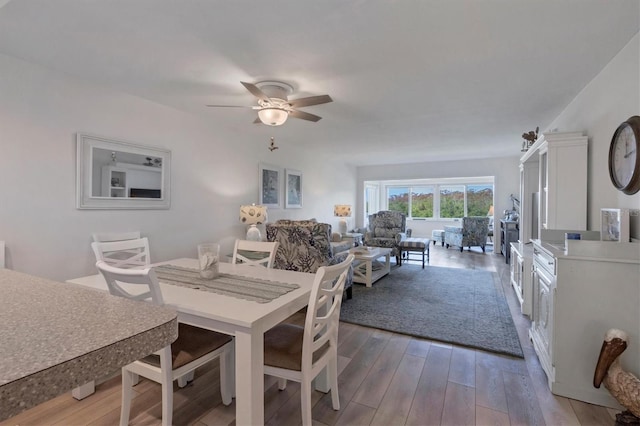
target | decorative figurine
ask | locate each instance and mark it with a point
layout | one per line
(623, 386)
(529, 139)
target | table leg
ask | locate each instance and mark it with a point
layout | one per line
(249, 377)
(369, 274)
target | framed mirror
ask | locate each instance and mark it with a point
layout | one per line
(114, 174)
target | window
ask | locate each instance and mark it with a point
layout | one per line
(371, 201)
(398, 199)
(449, 198)
(479, 199)
(422, 202)
(451, 201)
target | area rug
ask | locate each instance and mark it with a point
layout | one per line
(462, 306)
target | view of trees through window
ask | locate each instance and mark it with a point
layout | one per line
(479, 199)
(454, 201)
(398, 199)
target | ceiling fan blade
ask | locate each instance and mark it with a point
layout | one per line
(257, 121)
(311, 100)
(229, 106)
(255, 91)
(304, 115)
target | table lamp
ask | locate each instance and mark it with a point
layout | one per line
(253, 215)
(342, 211)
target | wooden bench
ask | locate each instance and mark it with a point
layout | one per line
(408, 245)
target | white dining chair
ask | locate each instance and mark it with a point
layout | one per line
(105, 237)
(292, 352)
(194, 346)
(123, 254)
(261, 253)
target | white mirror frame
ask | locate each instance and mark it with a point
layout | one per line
(84, 172)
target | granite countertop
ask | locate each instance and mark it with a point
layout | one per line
(57, 336)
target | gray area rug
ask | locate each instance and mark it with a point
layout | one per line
(462, 306)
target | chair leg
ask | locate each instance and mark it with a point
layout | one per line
(461, 248)
(332, 369)
(184, 380)
(305, 401)
(282, 383)
(127, 394)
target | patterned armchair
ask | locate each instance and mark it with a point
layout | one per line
(386, 229)
(473, 232)
(305, 246)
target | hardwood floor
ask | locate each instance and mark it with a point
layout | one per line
(385, 379)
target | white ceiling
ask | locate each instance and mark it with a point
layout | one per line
(411, 80)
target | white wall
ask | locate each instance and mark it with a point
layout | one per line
(608, 100)
(214, 171)
(505, 170)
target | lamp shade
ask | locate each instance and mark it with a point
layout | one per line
(273, 116)
(490, 213)
(342, 210)
(253, 215)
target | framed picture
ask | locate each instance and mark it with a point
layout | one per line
(270, 186)
(293, 189)
(614, 225)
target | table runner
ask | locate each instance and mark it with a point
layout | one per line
(241, 287)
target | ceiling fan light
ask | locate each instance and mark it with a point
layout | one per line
(273, 116)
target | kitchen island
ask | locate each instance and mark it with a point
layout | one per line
(57, 336)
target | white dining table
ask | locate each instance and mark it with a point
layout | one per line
(246, 320)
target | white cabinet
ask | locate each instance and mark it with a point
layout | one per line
(558, 200)
(520, 267)
(581, 291)
(544, 290)
(118, 181)
(114, 182)
(529, 198)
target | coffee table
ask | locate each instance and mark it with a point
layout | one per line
(363, 270)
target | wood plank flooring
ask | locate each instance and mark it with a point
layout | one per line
(385, 379)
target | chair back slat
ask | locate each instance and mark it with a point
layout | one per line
(264, 252)
(106, 237)
(143, 277)
(323, 311)
(123, 254)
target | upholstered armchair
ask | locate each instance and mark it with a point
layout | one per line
(473, 232)
(386, 229)
(304, 247)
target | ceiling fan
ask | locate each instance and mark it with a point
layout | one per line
(273, 105)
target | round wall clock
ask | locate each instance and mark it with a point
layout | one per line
(624, 161)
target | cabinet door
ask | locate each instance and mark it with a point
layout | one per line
(519, 270)
(543, 285)
(513, 269)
